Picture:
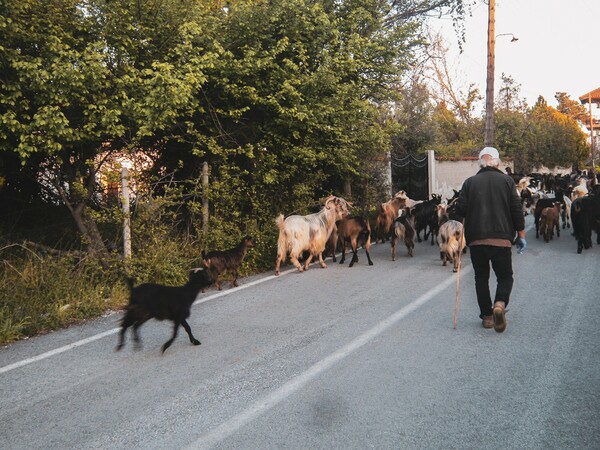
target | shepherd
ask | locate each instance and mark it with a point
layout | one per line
(492, 213)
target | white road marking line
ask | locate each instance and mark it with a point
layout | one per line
(116, 330)
(229, 427)
(96, 337)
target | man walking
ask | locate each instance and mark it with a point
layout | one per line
(492, 213)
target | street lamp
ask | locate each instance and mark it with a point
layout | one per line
(489, 91)
(514, 38)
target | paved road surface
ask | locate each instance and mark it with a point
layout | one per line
(339, 358)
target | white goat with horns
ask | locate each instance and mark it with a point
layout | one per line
(301, 233)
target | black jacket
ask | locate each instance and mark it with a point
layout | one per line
(490, 205)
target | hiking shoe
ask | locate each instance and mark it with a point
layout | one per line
(488, 322)
(499, 317)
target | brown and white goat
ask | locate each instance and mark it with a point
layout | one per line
(404, 230)
(525, 194)
(549, 220)
(356, 231)
(308, 233)
(387, 213)
(219, 262)
(452, 242)
(580, 190)
(442, 213)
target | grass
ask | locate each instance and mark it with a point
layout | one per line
(39, 294)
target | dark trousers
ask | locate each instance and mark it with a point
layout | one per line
(501, 259)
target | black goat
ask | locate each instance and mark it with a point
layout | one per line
(220, 261)
(156, 301)
(425, 218)
(585, 216)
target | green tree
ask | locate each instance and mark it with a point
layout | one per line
(297, 98)
(512, 137)
(571, 108)
(286, 99)
(84, 78)
(555, 139)
(413, 112)
(509, 95)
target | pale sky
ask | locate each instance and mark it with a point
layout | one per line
(558, 48)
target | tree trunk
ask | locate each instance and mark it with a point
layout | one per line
(89, 230)
(86, 225)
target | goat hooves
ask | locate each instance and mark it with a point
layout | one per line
(196, 342)
(370, 263)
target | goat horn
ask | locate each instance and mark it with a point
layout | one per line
(330, 199)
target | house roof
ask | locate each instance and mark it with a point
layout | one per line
(595, 94)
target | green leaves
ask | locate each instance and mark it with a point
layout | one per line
(286, 99)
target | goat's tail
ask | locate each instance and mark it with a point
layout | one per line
(280, 221)
(281, 241)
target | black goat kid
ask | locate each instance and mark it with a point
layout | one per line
(156, 301)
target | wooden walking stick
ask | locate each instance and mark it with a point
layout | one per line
(460, 244)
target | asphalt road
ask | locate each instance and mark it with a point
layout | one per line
(336, 358)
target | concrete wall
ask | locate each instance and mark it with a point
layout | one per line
(447, 175)
(450, 175)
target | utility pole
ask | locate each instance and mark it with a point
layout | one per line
(489, 91)
(204, 199)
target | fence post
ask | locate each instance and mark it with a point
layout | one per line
(126, 216)
(431, 180)
(204, 198)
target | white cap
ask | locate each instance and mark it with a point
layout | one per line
(489, 151)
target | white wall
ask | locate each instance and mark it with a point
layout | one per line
(450, 175)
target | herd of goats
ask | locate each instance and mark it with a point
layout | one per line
(573, 198)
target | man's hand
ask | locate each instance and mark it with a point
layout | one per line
(521, 245)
